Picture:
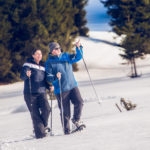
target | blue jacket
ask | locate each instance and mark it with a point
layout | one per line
(62, 64)
(38, 77)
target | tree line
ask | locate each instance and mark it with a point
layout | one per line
(29, 24)
(132, 19)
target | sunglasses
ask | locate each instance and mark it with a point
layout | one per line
(57, 48)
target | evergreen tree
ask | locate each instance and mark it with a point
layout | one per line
(131, 52)
(29, 24)
(79, 18)
(5, 64)
(142, 24)
(60, 24)
(131, 18)
(27, 32)
(5, 36)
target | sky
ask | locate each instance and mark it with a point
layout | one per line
(97, 18)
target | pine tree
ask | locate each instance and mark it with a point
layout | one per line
(29, 24)
(131, 18)
(131, 52)
(5, 36)
(79, 18)
(29, 32)
(60, 24)
(5, 64)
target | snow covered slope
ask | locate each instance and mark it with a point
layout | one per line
(107, 128)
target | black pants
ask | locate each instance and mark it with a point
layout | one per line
(39, 109)
(75, 97)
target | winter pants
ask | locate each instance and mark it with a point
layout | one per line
(39, 108)
(75, 98)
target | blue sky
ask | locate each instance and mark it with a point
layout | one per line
(97, 18)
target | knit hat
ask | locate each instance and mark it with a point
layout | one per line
(53, 45)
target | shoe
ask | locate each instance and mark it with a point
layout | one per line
(41, 136)
(47, 129)
(77, 123)
(66, 132)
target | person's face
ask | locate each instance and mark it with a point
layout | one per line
(37, 56)
(56, 51)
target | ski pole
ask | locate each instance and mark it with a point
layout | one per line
(31, 112)
(118, 107)
(29, 83)
(51, 120)
(61, 103)
(30, 93)
(51, 116)
(90, 78)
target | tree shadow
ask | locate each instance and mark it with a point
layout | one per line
(104, 41)
(111, 80)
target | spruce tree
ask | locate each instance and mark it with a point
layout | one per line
(131, 18)
(132, 51)
(29, 24)
(79, 18)
(59, 21)
(5, 36)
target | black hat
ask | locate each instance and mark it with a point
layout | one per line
(53, 45)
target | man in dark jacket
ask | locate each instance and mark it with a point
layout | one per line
(33, 74)
(59, 73)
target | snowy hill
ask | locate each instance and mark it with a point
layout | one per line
(107, 128)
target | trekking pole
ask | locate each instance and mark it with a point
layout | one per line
(29, 83)
(118, 107)
(51, 120)
(90, 78)
(30, 86)
(30, 101)
(61, 103)
(30, 91)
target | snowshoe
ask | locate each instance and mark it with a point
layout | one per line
(47, 129)
(127, 104)
(77, 126)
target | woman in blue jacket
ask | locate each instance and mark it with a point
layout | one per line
(33, 74)
(59, 67)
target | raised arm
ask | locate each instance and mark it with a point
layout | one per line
(73, 58)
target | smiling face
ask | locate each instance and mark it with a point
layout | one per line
(56, 51)
(37, 56)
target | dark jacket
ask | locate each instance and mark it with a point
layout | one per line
(62, 64)
(37, 79)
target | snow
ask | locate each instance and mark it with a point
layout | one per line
(106, 127)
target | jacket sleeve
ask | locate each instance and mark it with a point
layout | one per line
(73, 58)
(50, 77)
(23, 75)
